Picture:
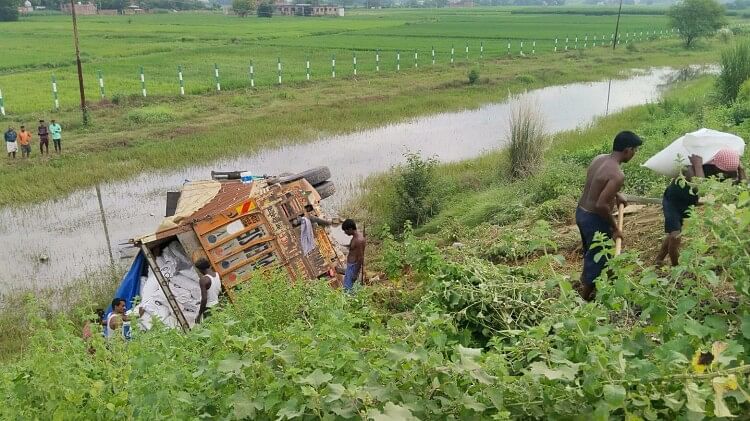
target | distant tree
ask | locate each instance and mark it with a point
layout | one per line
(243, 7)
(696, 18)
(9, 10)
(266, 9)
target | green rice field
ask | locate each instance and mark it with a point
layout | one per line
(36, 48)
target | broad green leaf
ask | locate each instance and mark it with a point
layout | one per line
(482, 377)
(696, 400)
(720, 385)
(746, 326)
(231, 364)
(614, 395)
(316, 378)
(469, 402)
(392, 412)
(696, 329)
(243, 407)
(335, 391)
(540, 368)
(686, 304)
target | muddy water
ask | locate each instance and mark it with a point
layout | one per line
(47, 244)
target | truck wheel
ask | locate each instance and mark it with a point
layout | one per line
(317, 175)
(326, 189)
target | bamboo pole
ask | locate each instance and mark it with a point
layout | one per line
(620, 215)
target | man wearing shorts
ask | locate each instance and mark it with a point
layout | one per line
(10, 142)
(24, 140)
(680, 198)
(355, 260)
(56, 131)
(604, 179)
(43, 133)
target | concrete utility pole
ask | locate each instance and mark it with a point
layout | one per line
(617, 26)
(84, 110)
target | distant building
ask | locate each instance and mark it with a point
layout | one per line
(81, 8)
(460, 3)
(304, 9)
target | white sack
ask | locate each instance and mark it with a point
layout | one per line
(704, 143)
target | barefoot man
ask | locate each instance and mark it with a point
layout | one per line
(356, 258)
(604, 179)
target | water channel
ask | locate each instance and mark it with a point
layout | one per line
(49, 244)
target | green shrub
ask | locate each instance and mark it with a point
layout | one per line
(740, 112)
(414, 188)
(527, 139)
(743, 94)
(473, 76)
(151, 115)
(735, 70)
(526, 79)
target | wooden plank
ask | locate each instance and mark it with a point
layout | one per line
(165, 288)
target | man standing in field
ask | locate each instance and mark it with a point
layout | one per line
(10, 142)
(24, 139)
(56, 130)
(604, 179)
(43, 133)
(355, 260)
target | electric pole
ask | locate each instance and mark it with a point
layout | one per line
(84, 110)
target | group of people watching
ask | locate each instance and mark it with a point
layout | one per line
(601, 193)
(22, 138)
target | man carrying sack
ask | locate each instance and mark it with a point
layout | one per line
(680, 197)
(604, 179)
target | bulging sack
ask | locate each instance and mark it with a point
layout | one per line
(704, 143)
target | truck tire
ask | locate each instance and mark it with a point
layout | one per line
(317, 175)
(326, 189)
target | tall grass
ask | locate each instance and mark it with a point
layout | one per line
(527, 138)
(735, 69)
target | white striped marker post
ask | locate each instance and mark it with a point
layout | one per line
(555, 44)
(252, 74)
(377, 60)
(509, 53)
(398, 60)
(594, 44)
(533, 48)
(576, 44)
(54, 93)
(566, 43)
(307, 68)
(467, 50)
(216, 77)
(521, 47)
(586, 42)
(416, 57)
(453, 53)
(2, 103)
(433, 56)
(333, 66)
(612, 39)
(481, 50)
(181, 80)
(143, 83)
(603, 38)
(278, 68)
(101, 83)
(354, 62)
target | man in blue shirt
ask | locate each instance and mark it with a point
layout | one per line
(10, 142)
(56, 131)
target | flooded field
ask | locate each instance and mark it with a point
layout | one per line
(52, 243)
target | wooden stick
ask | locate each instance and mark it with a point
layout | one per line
(620, 215)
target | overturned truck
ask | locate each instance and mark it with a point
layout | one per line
(244, 226)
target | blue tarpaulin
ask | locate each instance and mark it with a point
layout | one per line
(131, 283)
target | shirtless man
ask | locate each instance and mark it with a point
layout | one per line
(210, 284)
(356, 258)
(604, 179)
